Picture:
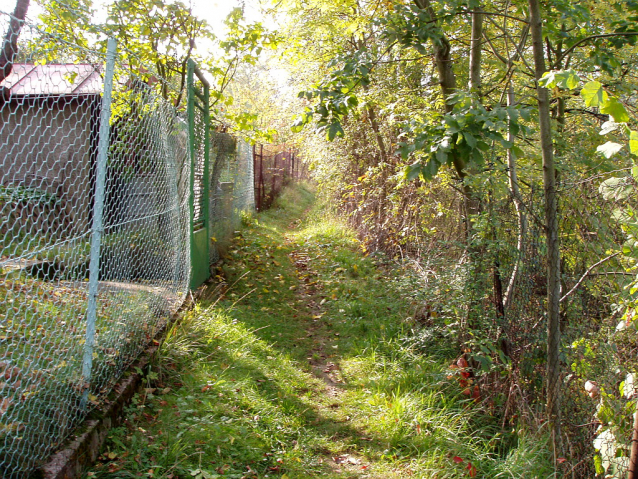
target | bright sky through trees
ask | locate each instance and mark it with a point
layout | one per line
(214, 12)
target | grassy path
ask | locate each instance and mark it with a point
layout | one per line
(302, 366)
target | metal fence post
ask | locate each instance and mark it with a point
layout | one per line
(98, 227)
(198, 104)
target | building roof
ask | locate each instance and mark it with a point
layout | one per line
(53, 79)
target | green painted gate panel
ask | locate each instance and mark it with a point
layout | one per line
(199, 135)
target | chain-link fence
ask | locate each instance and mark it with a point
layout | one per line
(232, 191)
(597, 234)
(98, 202)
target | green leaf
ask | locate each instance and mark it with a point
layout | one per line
(548, 80)
(470, 140)
(633, 142)
(609, 149)
(572, 80)
(563, 79)
(593, 94)
(334, 131)
(517, 152)
(297, 126)
(616, 109)
(412, 171)
(615, 189)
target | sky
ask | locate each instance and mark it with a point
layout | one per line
(214, 12)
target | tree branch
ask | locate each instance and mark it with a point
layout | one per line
(10, 43)
(593, 37)
(587, 273)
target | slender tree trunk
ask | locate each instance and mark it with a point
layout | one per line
(520, 213)
(475, 52)
(551, 218)
(447, 79)
(10, 43)
(632, 472)
(372, 117)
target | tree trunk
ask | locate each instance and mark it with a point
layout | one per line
(447, 82)
(372, 118)
(551, 219)
(475, 52)
(520, 213)
(447, 79)
(10, 43)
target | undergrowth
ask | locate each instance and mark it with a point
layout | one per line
(302, 363)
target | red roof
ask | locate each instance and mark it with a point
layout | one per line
(54, 79)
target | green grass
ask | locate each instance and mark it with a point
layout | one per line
(297, 366)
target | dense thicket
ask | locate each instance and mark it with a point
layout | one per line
(426, 124)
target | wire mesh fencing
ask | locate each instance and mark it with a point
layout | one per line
(232, 190)
(102, 182)
(94, 238)
(485, 293)
(597, 362)
(598, 302)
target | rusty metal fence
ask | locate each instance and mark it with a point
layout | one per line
(274, 166)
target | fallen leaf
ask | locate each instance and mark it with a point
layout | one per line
(476, 393)
(4, 405)
(457, 459)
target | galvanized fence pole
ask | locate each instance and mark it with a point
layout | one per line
(98, 210)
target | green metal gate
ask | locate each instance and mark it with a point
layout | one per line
(199, 126)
